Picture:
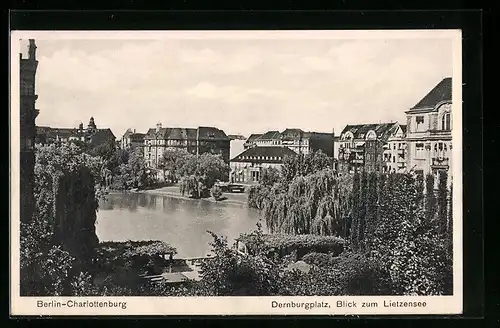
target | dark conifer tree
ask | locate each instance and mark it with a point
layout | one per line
(443, 201)
(430, 198)
(363, 204)
(354, 229)
(371, 209)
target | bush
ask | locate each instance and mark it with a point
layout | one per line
(362, 275)
(318, 259)
(284, 244)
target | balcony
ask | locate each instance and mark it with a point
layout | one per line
(440, 163)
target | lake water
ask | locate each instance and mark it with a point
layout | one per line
(181, 223)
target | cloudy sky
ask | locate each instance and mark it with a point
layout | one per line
(239, 85)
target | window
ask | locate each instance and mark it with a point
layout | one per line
(419, 150)
(420, 123)
(445, 122)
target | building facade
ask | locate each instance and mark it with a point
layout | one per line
(28, 114)
(362, 146)
(395, 156)
(247, 167)
(296, 140)
(429, 126)
(90, 135)
(132, 139)
(195, 141)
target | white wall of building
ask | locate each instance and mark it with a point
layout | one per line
(236, 148)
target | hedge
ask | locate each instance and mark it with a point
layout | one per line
(285, 244)
(130, 248)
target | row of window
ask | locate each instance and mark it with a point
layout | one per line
(171, 142)
(444, 124)
(268, 158)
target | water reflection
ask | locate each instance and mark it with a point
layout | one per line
(179, 222)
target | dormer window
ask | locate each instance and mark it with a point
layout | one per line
(445, 122)
(419, 120)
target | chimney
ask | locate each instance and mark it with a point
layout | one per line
(158, 127)
(134, 130)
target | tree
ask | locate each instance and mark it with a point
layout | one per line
(60, 238)
(430, 198)
(355, 211)
(315, 203)
(105, 150)
(172, 162)
(269, 176)
(134, 173)
(371, 208)
(231, 274)
(200, 173)
(362, 213)
(301, 165)
(415, 257)
(443, 201)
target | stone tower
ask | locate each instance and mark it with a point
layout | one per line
(28, 114)
(91, 127)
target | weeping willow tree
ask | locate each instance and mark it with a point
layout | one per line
(311, 204)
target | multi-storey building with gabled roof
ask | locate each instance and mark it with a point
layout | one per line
(429, 126)
(362, 146)
(194, 140)
(297, 140)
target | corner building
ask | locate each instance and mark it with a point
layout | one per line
(429, 126)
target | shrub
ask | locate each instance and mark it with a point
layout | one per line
(284, 244)
(216, 193)
(318, 259)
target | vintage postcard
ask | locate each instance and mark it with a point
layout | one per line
(236, 172)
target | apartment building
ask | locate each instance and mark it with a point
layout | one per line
(194, 140)
(429, 126)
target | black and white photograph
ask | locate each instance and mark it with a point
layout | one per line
(236, 172)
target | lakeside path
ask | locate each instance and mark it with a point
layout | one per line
(173, 191)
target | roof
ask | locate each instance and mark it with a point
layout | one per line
(383, 130)
(177, 133)
(269, 135)
(210, 132)
(403, 127)
(53, 132)
(253, 136)
(292, 133)
(127, 133)
(137, 135)
(441, 92)
(259, 154)
(101, 136)
(236, 137)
